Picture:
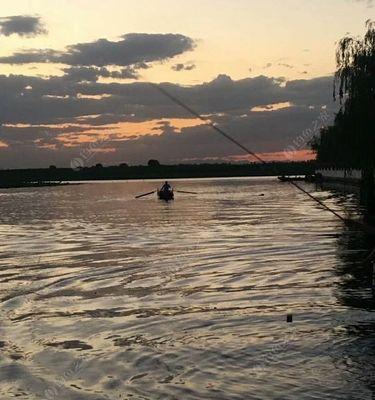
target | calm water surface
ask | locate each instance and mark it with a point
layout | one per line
(108, 297)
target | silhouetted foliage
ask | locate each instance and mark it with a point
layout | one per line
(153, 163)
(350, 141)
(19, 177)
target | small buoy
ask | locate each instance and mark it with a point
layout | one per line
(289, 318)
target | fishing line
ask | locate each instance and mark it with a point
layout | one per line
(247, 150)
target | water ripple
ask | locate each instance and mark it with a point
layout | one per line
(104, 296)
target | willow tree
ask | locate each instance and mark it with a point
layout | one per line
(351, 139)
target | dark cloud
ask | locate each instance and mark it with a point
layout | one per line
(92, 74)
(141, 65)
(183, 67)
(22, 25)
(133, 49)
(31, 56)
(261, 132)
(33, 100)
(285, 65)
(53, 98)
(80, 74)
(82, 105)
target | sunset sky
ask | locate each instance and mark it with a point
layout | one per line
(73, 78)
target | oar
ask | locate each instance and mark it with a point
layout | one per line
(184, 191)
(144, 194)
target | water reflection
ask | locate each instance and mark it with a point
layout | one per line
(354, 354)
(104, 296)
(354, 287)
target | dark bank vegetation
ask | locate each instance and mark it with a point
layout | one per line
(350, 141)
(154, 171)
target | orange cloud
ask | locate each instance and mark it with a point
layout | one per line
(272, 107)
(298, 155)
(124, 130)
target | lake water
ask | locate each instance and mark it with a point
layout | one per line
(108, 297)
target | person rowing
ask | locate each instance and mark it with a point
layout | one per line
(166, 187)
(166, 192)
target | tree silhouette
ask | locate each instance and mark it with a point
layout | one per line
(350, 142)
(153, 163)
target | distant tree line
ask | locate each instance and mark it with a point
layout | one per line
(155, 171)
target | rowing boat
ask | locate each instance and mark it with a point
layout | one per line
(166, 194)
(293, 178)
(284, 178)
